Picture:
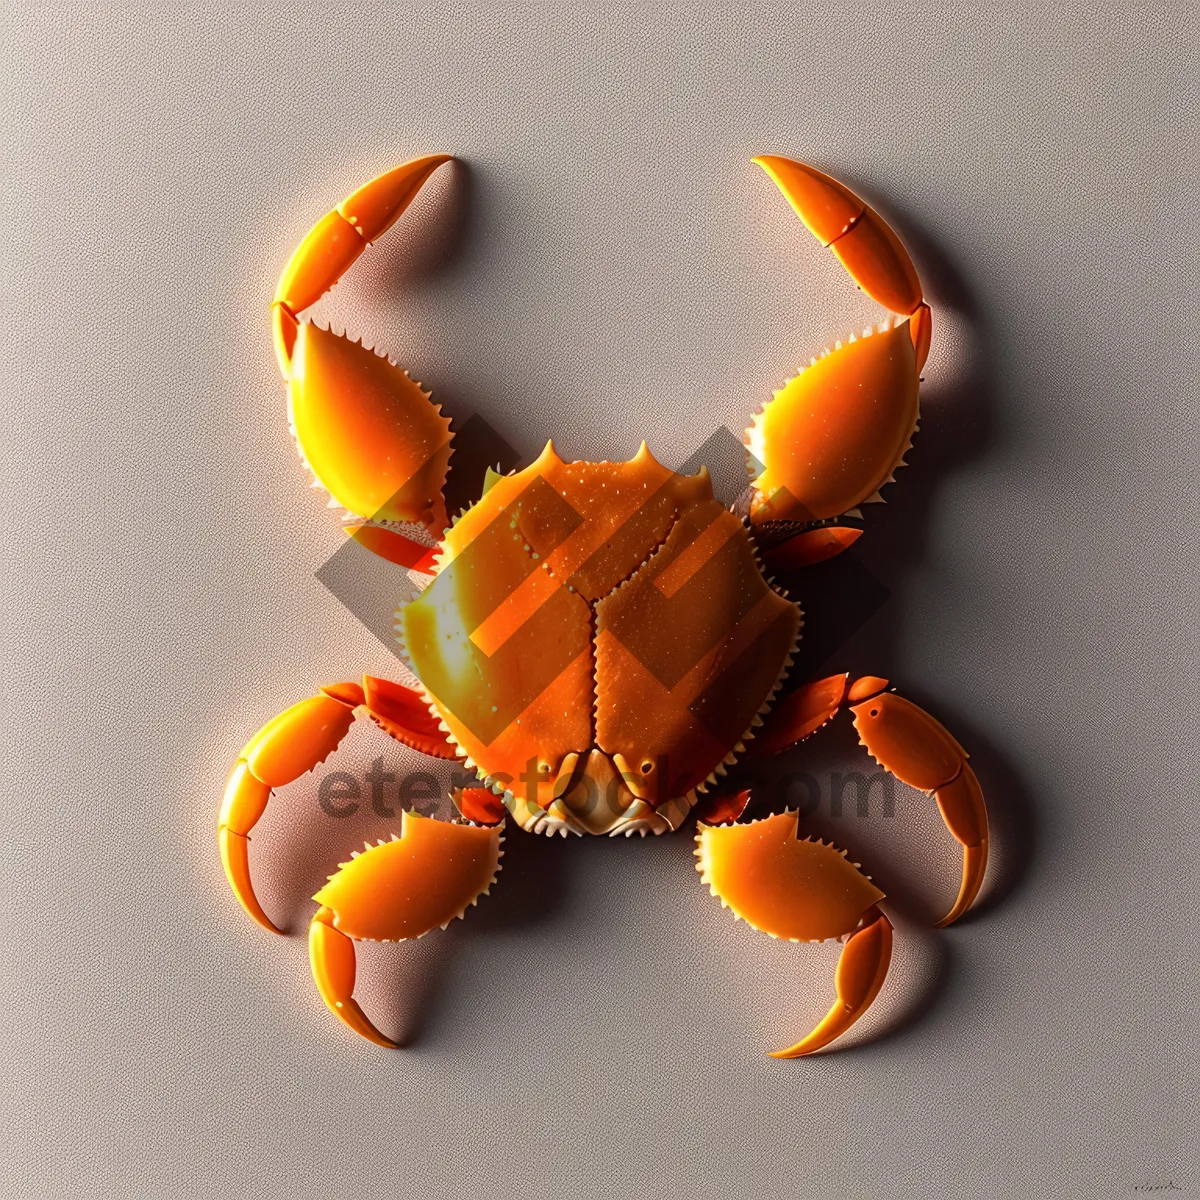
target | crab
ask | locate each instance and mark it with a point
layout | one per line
(600, 641)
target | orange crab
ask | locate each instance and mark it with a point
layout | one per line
(598, 640)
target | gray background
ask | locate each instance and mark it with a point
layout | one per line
(608, 265)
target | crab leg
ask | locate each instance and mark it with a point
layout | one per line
(835, 433)
(334, 243)
(369, 433)
(861, 970)
(864, 242)
(296, 741)
(907, 742)
(804, 891)
(334, 966)
(810, 547)
(394, 891)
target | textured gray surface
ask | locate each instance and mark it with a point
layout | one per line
(608, 266)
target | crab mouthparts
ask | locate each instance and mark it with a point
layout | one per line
(591, 796)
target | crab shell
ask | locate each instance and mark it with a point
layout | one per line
(599, 642)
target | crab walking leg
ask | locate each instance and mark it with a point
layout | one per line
(861, 970)
(864, 242)
(335, 242)
(811, 547)
(281, 751)
(907, 742)
(331, 954)
(296, 741)
(423, 879)
(369, 433)
(804, 891)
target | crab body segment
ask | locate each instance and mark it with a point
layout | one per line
(600, 641)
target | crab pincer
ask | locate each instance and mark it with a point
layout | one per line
(370, 434)
(422, 880)
(832, 436)
(803, 891)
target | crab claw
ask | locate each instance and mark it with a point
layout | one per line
(832, 436)
(803, 891)
(396, 890)
(368, 432)
(905, 740)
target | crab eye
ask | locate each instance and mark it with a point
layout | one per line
(647, 767)
(543, 768)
